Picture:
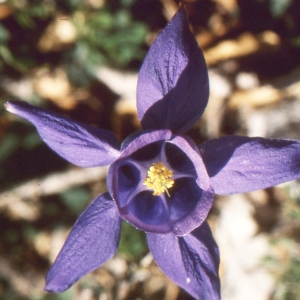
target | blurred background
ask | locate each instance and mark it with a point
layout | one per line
(81, 58)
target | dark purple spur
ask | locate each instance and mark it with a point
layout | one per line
(159, 180)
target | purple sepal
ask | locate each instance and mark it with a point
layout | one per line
(93, 240)
(237, 164)
(191, 261)
(80, 144)
(172, 90)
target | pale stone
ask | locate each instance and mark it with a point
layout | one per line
(117, 266)
(242, 249)
(122, 83)
(246, 80)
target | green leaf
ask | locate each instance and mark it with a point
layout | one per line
(133, 244)
(31, 141)
(279, 7)
(76, 199)
(4, 34)
(8, 145)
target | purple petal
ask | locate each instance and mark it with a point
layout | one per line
(141, 139)
(205, 198)
(148, 212)
(124, 176)
(80, 144)
(190, 198)
(93, 240)
(239, 164)
(191, 261)
(125, 182)
(172, 90)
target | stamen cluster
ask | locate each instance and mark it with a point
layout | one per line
(159, 179)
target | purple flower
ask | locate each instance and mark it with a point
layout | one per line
(159, 180)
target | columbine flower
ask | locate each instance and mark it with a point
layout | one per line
(159, 180)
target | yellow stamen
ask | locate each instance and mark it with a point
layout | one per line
(159, 179)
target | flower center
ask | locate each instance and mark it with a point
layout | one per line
(159, 179)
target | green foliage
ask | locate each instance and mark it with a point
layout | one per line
(291, 279)
(284, 264)
(287, 287)
(31, 140)
(279, 7)
(67, 295)
(8, 145)
(28, 12)
(76, 199)
(4, 34)
(296, 42)
(104, 36)
(133, 244)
